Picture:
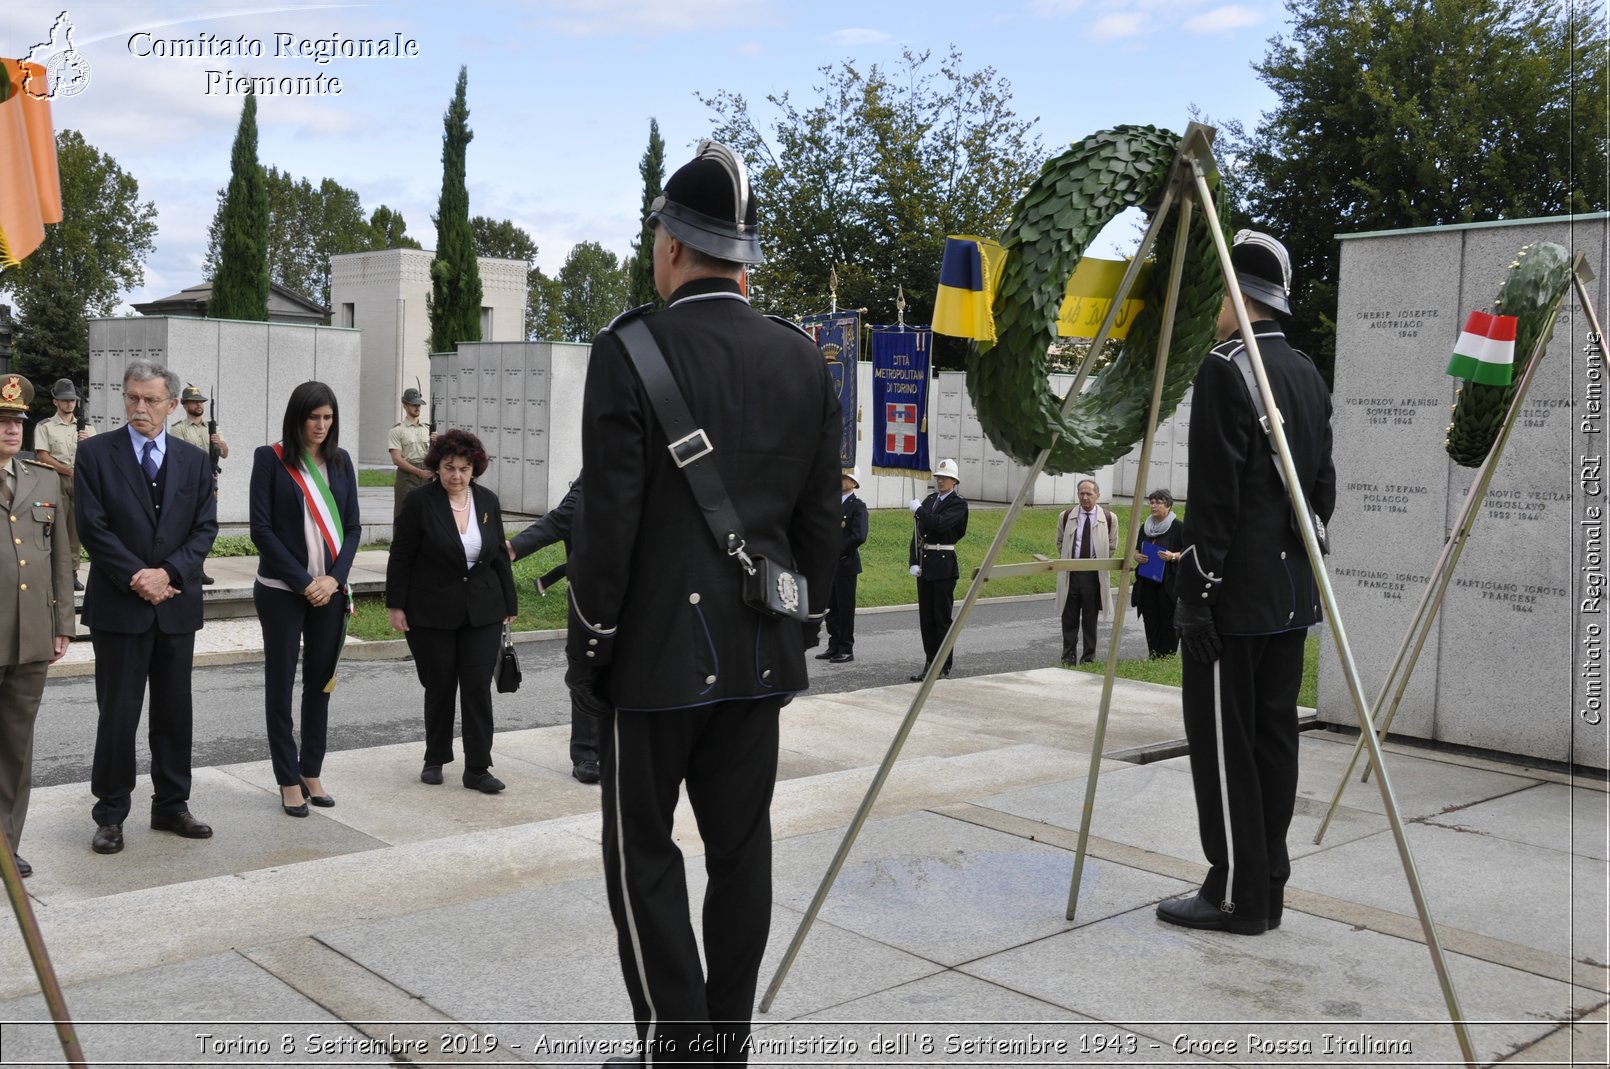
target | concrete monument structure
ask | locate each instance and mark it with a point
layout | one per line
(383, 294)
(1498, 672)
(247, 369)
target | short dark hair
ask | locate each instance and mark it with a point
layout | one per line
(304, 399)
(458, 443)
(1161, 495)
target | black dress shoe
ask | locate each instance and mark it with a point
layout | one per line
(431, 774)
(827, 655)
(483, 781)
(23, 868)
(920, 676)
(1198, 912)
(207, 580)
(293, 810)
(78, 584)
(841, 658)
(323, 801)
(108, 839)
(182, 823)
(585, 770)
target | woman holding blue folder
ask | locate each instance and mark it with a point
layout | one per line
(1157, 548)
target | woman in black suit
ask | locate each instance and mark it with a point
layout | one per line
(304, 522)
(1153, 599)
(450, 587)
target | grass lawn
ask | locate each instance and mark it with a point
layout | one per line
(1167, 670)
(377, 476)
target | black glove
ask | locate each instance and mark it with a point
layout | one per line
(1198, 636)
(812, 630)
(589, 687)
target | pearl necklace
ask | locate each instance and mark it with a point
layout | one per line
(456, 508)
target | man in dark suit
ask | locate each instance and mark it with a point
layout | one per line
(1247, 597)
(554, 526)
(688, 677)
(147, 515)
(841, 606)
(941, 522)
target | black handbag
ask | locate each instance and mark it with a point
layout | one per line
(508, 673)
(768, 587)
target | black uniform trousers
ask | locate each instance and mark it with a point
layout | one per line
(1079, 611)
(290, 622)
(935, 604)
(1241, 715)
(726, 753)
(123, 665)
(583, 734)
(457, 661)
(841, 614)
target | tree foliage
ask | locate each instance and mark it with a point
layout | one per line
(506, 240)
(592, 284)
(1406, 113)
(388, 230)
(640, 268)
(872, 175)
(96, 253)
(240, 285)
(455, 301)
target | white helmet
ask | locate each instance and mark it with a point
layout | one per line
(947, 469)
(854, 475)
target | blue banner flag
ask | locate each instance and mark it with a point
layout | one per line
(838, 335)
(900, 362)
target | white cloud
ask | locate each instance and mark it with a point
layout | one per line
(1120, 24)
(602, 18)
(853, 36)
(751, 50)
(1049, 9)
(1222, 19)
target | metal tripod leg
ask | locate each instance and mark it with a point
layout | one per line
(1403, 664)
(1344, 652)
(31, 937)
(979, 579)
(1098, 743)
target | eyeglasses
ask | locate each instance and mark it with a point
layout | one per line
(136, 400)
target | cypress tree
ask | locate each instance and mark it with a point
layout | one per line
(240, 288)
(455, 279)
(640, 273)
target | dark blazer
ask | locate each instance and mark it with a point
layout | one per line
(276, 518)
(852, 534)
(425, 575)
(939, 523)
(120, 529)
(553, 526)
(1243, 556)
(653, 599)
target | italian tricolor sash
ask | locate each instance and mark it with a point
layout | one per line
(327, 518)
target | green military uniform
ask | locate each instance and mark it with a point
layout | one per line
(411, 439)
(193, 432)
(60, 440)
(36, 604)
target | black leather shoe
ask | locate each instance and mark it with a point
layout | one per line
(431, 774)
(482, 781)
(323, 801)
(841, 658)
(78, 584)
(108, 839)
(920, 676)
(585, 770)
(1198, 912)
(182, 823)
(827, 655)
(23, 868)
(207, 580)
(293, 810)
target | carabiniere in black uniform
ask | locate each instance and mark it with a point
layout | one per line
(1245, 563)
(688, 678)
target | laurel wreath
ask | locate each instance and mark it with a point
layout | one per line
(1537, 279)
(1076, 194)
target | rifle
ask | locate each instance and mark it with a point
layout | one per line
(212, 429)
(83, 417)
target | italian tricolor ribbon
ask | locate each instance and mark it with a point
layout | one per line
(327, 518)
(1485, 351)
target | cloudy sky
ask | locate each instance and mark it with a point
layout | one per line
(561, 91)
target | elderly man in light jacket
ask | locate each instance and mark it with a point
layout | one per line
(1083, 531)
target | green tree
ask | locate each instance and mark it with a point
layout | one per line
(871, 176)
(593, 288)
(307, 225)
(96, 253)
(455, 298)
(640, 268)
(506, 240)
(544, 315)
(240, 285)
(1406, 113)
(388, 230)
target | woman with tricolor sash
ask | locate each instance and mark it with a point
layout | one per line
(304, 521)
